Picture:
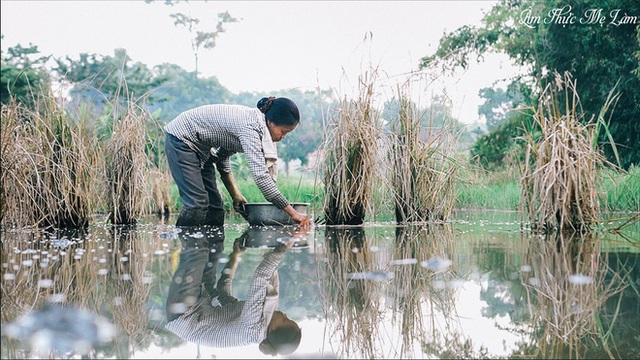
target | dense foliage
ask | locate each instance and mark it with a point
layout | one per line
(598, 42)
(23, 74)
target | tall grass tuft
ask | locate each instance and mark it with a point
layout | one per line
(49, 164)
(126, 165)
(560, 168)
(423, 173)
(351, 153)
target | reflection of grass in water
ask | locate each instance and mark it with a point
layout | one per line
(351, 304)
(568, 289)
(105, 273)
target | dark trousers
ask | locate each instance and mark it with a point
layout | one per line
(196, 271)
(201, 200)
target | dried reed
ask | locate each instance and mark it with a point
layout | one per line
(559, 189)
(423, 173)
(49, 165)
(351, 154)
(126, 165)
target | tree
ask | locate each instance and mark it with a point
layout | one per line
(181, 91)
(98, 79)
(199, 39)
(497, 105)
(23, 74)
(600, 57)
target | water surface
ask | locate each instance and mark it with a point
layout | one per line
(476, 287)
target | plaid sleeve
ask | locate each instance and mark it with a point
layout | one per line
(252, 147)
(223, 164)
(253, 306)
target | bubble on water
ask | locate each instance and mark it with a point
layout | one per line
(125, 277)
(159, 252)
(525, 268)
(45, 283)
(62, 243)
(534, 281)
(197, 235)
(373, 275)
(168, 235)
(61, 330)
(102, 261)
(355, 250)
(374, 248)
(223, 260)
(124, 259)
(436, 264)
(178, 308)
(409, 261)
(9, 276)
(580, 279)
(57, 298)
(103, 272)
(27, 262)
(156, 315)
(439, 284)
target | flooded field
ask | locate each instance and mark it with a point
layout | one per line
(476, 287)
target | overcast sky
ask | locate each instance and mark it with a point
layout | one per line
(274, 45)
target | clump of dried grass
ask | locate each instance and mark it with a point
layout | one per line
(423, 173)
(49, 164)
(351, 154)
(126, 165)
(559, 181)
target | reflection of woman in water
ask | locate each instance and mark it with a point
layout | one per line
(206, 313)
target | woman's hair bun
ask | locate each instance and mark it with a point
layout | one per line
(265, 104)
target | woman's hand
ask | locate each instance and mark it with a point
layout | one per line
(300, 218)
(238, 205)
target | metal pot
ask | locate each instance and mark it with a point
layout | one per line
(261, 236)
(267, 214)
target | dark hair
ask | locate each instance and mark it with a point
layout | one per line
(280, 111)
(282, 341)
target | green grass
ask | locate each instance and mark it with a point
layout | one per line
(495, 191)
(500, 196)
(295, 188)
(622, 191)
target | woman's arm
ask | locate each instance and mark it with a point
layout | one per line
(239, 200)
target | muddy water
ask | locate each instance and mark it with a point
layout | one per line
(475, 287)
